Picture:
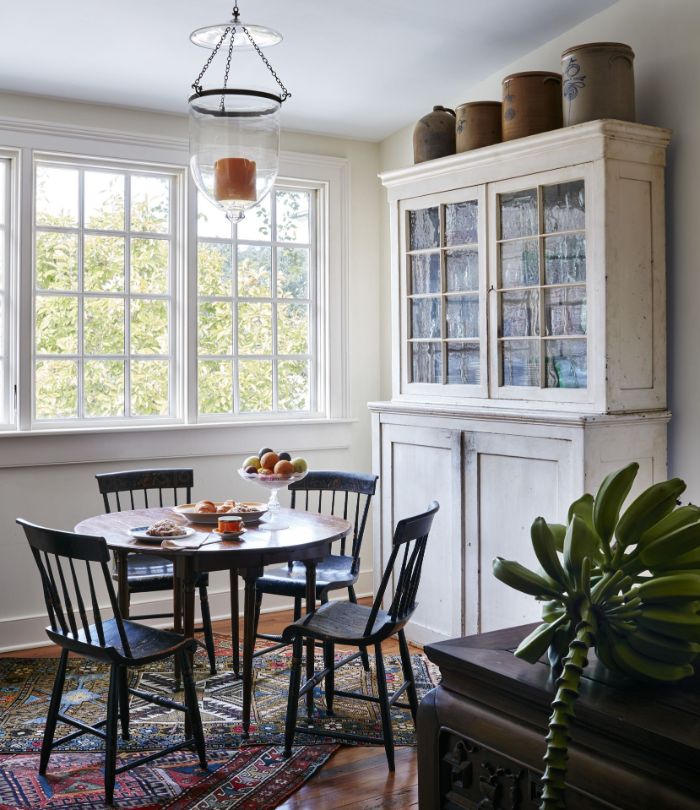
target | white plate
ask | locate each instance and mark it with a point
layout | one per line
(140, 534)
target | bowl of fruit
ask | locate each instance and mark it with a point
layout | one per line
(274, 471)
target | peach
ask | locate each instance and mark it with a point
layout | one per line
(284, 467)
(269, 460)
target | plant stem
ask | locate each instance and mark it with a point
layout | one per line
(557, 756)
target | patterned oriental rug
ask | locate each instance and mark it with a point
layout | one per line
(247, 774)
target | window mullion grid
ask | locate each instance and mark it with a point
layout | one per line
(274, 368)
(313, 320)
(235, 361)
(174, 322)
(127, 296)
(540, 294)
(81, 305)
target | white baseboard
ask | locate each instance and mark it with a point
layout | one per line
(28, 632)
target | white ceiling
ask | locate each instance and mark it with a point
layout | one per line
(361, 69)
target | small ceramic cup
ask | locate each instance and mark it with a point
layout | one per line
(228, 524)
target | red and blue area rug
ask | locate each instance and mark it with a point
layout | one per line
(246, 774)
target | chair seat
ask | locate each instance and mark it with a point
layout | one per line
(147, 572)
(147, 643)
(333, 572)
(343, 622)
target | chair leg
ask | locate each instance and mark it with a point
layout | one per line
(206, 625)
(52, 716)
(235, 635)
(193, 713)
(111, 733)
(258, 604)
(293, 697)
(297, 608)
(328, 662)
(124, 701)
(363, 650)
(408, 675)
(387, 732)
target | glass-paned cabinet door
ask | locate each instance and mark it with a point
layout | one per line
(443, 294)
(539, 286)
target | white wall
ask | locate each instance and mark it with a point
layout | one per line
(665, 37)
(62, 495)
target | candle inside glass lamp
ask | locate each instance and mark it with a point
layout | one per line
(234, 179)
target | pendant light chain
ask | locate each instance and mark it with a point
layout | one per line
(197, 83)
(285, 93)
(228, 66)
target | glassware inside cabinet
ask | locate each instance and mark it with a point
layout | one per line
(520, 263)
(426, 362)
(520, 362)
(463, 316)
(565, 311)
(519, 215)
(461, 223)
(462, 270)
(565, 259)
(564, 207)
(566, 363)
(463, 363)
(426, 317)
(425, 273)
(424, 228)
(520, 313)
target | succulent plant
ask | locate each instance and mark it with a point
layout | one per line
(626, 585)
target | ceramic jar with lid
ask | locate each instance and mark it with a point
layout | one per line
(531, 103)
(434, 135)
(478, 124)
(598, 82)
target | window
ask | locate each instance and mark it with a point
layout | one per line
(257, 307)
(5, 383)
(104, 318)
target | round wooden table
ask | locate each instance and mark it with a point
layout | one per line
(307, 538)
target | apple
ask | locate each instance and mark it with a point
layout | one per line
(285, 457)
(251, 469)
(252, 461)
(300, 465)
(263, 451)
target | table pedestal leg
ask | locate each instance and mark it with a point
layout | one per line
(250, 575)
(310, 644)
(235, 641)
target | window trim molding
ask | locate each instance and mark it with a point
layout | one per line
(24, 137)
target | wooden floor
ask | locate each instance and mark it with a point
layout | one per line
(355, 777)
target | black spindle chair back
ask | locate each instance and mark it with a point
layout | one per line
(60, 557)
(134, 486)
(408, 546)
(346, 495)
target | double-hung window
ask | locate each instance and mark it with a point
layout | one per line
(105, 327)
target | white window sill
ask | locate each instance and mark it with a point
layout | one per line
(149, 443)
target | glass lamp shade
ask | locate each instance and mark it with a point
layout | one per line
(234, 147)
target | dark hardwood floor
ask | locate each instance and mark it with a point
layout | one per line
(355, 777)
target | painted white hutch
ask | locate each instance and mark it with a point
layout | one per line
(529, 351)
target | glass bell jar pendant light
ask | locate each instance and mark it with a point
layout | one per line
(234, 133)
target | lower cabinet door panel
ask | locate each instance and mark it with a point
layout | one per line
(509, 481)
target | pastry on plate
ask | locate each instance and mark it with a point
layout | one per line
(205, 506)
(166, 528)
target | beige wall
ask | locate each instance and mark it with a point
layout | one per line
(62, 495)
(664, 36)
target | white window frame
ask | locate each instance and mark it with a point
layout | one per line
(175, 238)
(8, 387)
(22, 443)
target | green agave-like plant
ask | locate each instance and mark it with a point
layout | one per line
(627, 585)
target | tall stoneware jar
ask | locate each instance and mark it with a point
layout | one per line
(531, 103)
(598, 82)
(434, 135)
(478, 124)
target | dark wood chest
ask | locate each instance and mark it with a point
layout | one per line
(481, 734)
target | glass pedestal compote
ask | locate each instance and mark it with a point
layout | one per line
(274, 483)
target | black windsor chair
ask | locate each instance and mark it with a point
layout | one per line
(348, 494)
(361, 626)
(148, 572)
(116, 641)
